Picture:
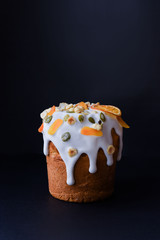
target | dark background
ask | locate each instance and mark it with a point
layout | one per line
(107, 51)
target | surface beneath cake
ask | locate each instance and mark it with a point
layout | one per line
(28, 211)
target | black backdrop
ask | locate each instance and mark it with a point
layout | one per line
(55, 51)
(105, 51)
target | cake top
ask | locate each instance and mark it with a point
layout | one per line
(82, 128)
(83, 107)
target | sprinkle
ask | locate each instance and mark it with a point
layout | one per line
(68, 106)
(79, 109)
(86, 113)
(102, 117)
(97, 126)
(66, 117)
(72, 152)
(62, 106)
(43, 114)
(48, 119)
(88, 104)
(71, 120)
(81, 118)
(111, 149)
(91, 120)
(57, 109)
(70, 110)
(48, 110)
(66, 136)
(99, 122)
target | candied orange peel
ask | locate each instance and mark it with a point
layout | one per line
(54, 127)
(53, 108)
(40, 129)
(122, 122)
(91, 131)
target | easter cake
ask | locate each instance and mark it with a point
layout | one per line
(82, 143)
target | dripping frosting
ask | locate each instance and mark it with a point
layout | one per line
(96, 135)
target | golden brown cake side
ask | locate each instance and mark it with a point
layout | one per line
(88, 187)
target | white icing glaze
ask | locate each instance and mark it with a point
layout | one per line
(84, 144)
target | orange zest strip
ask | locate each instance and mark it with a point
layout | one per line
(51, 111)
(82, 104)
(122, 122)
(40, 129)
(54, 127)
(91, 132)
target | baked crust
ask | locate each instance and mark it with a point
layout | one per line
(88, 187)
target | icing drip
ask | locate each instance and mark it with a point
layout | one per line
(84, 144)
